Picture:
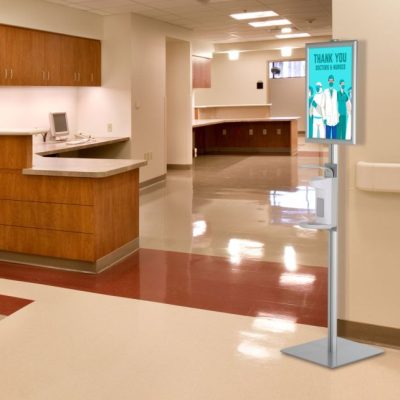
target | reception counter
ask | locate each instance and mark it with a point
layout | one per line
(80, 214)
(246, 135)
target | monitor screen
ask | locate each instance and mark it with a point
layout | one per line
(59, 124)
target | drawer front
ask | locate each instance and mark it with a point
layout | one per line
(45, 242)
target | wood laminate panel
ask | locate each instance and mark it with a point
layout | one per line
(201, 72)
(63, 217)
(50, 243)
(16, 152)
(47, 189)
(117, 211)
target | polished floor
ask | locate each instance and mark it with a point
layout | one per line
(291, 292)
(223, 281)
(78, 345)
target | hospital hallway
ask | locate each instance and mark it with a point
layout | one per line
(224, 279)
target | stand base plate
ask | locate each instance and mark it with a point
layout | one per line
(347, 352)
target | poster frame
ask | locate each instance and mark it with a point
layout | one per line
(332, 44)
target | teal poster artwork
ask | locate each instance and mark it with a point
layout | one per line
(331, 92)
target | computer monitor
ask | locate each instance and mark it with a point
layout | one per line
(59, 125)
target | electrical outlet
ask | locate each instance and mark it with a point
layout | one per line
(109, 127)
(264, 132)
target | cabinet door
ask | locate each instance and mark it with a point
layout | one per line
(87, 54)
(19, 56)
(3, 64)
(201, 72)
(52, 59)
(68, 73)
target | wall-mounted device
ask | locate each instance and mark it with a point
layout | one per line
(59, 125)
(260, 85)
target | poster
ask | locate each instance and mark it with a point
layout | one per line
(331, 92)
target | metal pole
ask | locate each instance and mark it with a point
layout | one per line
(333, 270)
(333, 351)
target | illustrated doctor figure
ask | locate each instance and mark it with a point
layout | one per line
(331, 109)
(343, 107)
(317, 112)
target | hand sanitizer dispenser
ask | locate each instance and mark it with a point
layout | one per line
(325, 200)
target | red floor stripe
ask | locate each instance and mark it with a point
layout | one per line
(10, 305)
(213, 283)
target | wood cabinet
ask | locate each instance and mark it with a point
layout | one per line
(278, 137)
(201, 72)
(80, 60)
(30, 57)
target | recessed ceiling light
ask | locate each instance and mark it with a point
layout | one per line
(257, 14)
(273, 22)
(293, 35)
(286, 30)
(286, 51)
(233, 55)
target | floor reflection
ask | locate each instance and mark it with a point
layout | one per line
(226, 203)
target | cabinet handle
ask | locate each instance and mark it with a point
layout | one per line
(12, 73)
(92, 76)
(79, 76)
(48, 75)
(6, 74)
(43, 77)
(74, 76)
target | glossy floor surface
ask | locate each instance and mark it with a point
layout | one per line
(292, 292)
(77, 345)
(221, 238)
(236, 207)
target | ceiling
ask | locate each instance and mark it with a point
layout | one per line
(209, 19)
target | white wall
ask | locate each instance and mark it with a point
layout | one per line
(234, 82)
(288, 98)
(38, 14)
(110, 103)
(371, 269)
(179, 103)
(29, 108)
(149, 90)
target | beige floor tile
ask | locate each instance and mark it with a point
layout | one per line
(84, 346)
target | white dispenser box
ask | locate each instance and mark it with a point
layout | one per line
(325, 200)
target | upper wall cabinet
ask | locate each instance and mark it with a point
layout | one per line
(201, 71)
(34, 58)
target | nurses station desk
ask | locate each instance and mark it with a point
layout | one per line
(70, 213)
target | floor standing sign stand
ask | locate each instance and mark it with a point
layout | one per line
(322, 59)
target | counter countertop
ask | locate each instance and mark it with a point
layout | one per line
(49, 148)
(81, 167)
(204, 122)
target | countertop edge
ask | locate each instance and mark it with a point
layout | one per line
(85, 174)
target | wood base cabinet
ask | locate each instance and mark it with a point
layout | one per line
(270, 137)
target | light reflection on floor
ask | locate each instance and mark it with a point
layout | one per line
(236, 207)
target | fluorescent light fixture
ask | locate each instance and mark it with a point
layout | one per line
(293, 35)
(271, 22)
(253, 15)
(286, 51)
(233, 55)
(286, 30)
